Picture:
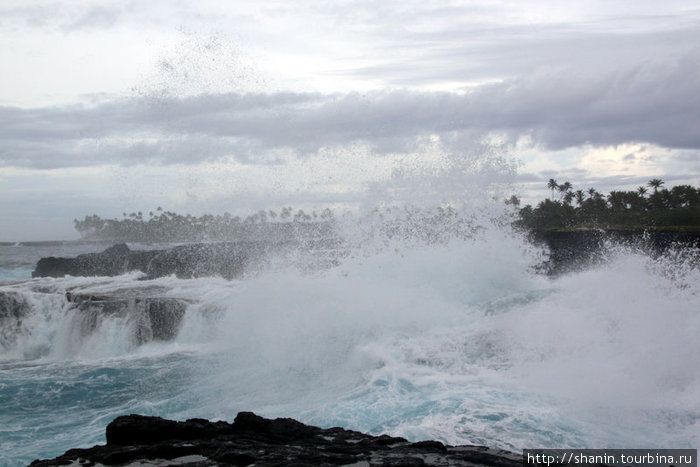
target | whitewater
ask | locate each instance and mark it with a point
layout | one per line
(461, 340)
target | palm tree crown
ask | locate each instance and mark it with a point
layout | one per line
(655, 183)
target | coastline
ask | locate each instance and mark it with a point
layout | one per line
(254, 440)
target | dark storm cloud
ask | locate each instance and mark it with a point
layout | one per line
(653, 102)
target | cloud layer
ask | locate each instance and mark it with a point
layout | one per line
(653, 103)
(119, 104)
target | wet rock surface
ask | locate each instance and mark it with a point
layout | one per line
(227, 260)
(13, 308)
(567, 251)
(146, 313)
(113, 261)
(154, 317)
(254, 440)
(13, 305)
(579, 249)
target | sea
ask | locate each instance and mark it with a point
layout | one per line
(461, 339)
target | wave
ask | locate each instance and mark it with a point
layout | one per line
(457, 339)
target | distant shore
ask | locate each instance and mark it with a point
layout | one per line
(609, 229)
(625, 228)
(56, 242)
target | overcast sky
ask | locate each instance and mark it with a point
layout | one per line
(208, 106)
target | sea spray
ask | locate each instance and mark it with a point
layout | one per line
(618, 342)
(429, 323)
(457, 339)
(455, 332)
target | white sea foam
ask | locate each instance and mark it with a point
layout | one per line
(456, 340)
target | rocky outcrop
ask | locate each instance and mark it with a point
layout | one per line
(578, 249)
(13, 308)
(227, 260)
(254, 440)
(113, 261)
(13, 305)
(145, 313)
(152, 317)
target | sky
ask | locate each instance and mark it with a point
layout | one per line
(210, 106)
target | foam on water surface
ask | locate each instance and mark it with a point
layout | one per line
(458, 341)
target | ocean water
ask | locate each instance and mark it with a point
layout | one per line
(459, 340)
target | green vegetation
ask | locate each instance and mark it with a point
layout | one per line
(649, 208)
(677, 208)
(166, 226)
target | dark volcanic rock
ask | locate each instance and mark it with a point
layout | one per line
(152, 316)
(113, 261)
(253, 440)
(227, 260)
(13, 308)
(143, 312)
(165, 316)
(578, 249)
(13, 305)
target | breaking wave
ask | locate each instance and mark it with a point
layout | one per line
(456, 338)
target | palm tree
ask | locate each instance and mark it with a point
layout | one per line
(564, 187)
(568, 198)
(552, 185)
(564, 190)
(579, 197)
(617, 200)
(655, 183)
(513, 201)
(642, 191)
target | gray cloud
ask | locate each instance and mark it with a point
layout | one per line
(63, 17)
(593, 75)
(95, 17)
(652, 103)
(468, 43)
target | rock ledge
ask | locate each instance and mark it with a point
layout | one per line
(253, 440)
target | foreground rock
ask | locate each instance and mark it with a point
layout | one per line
(253, 440)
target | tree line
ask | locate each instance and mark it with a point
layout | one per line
(168, 226)
(649, 206)
(408, 222)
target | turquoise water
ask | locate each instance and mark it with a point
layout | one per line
(48, 406)
(460, 342)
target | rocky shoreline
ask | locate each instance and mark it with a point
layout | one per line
(571, 250)
(568, 250)
(230, 260)
(227, 260)
(253, 440)
(151, 314)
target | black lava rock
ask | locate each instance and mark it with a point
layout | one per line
(227, 260)
(254, 440)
